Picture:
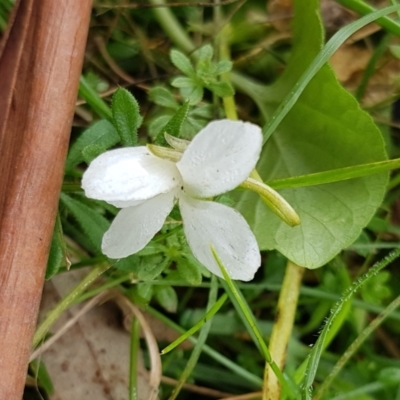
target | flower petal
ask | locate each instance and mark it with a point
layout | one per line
(220, 157)
(206, 223)
(134, 227)
(124, 176)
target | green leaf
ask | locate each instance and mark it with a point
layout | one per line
(100, 136)
(163, 97)
(223, 67)
(94, 100)
(126, 116)
(58, 250)
(174, 125)
(189, 272)
(183, 82)
(325, 129)
(43, 378)
(158, 124)
(377, 290)
(182, 62)
(151, 267)
(129, 264)
(193, 94)
(204, 53)
(90, 221)
(221, 89)
(167, 298)
(141, 293)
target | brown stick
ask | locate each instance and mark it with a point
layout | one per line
(40, 66)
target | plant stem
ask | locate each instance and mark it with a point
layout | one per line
(282, 329)
(67, 302)
(224, 52)
(364, 9)
(172, 27)
(253, 380)
(355, 346)
(133, 371)
(194, 357)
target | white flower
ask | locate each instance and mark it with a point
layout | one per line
(218, 159)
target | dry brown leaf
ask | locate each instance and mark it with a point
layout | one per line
(334, 17)
(384, 84)
(91, 360)
(280, 14)
(349, 61)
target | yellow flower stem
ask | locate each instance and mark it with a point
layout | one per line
(282, 329)
(224, 52)
(273, 200)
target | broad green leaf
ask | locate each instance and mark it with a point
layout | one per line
(325, 129)
(100, 136)
(90, 221)
(182, 62)
(174, 125)
(126, 116)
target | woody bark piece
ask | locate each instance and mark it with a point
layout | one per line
(39, 74)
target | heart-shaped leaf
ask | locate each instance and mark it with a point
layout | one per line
(325, 129)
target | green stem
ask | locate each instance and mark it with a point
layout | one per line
(108, 285)
(282, 328)
(364, 9)
(134, 354)
(172, 27)
(336, 175)
(67, 302)
(212, 297)
(250, 321)
(316, 352)
(210, 313)
(224, 52)
(355, 346)
(215, 355)
(94, 100)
